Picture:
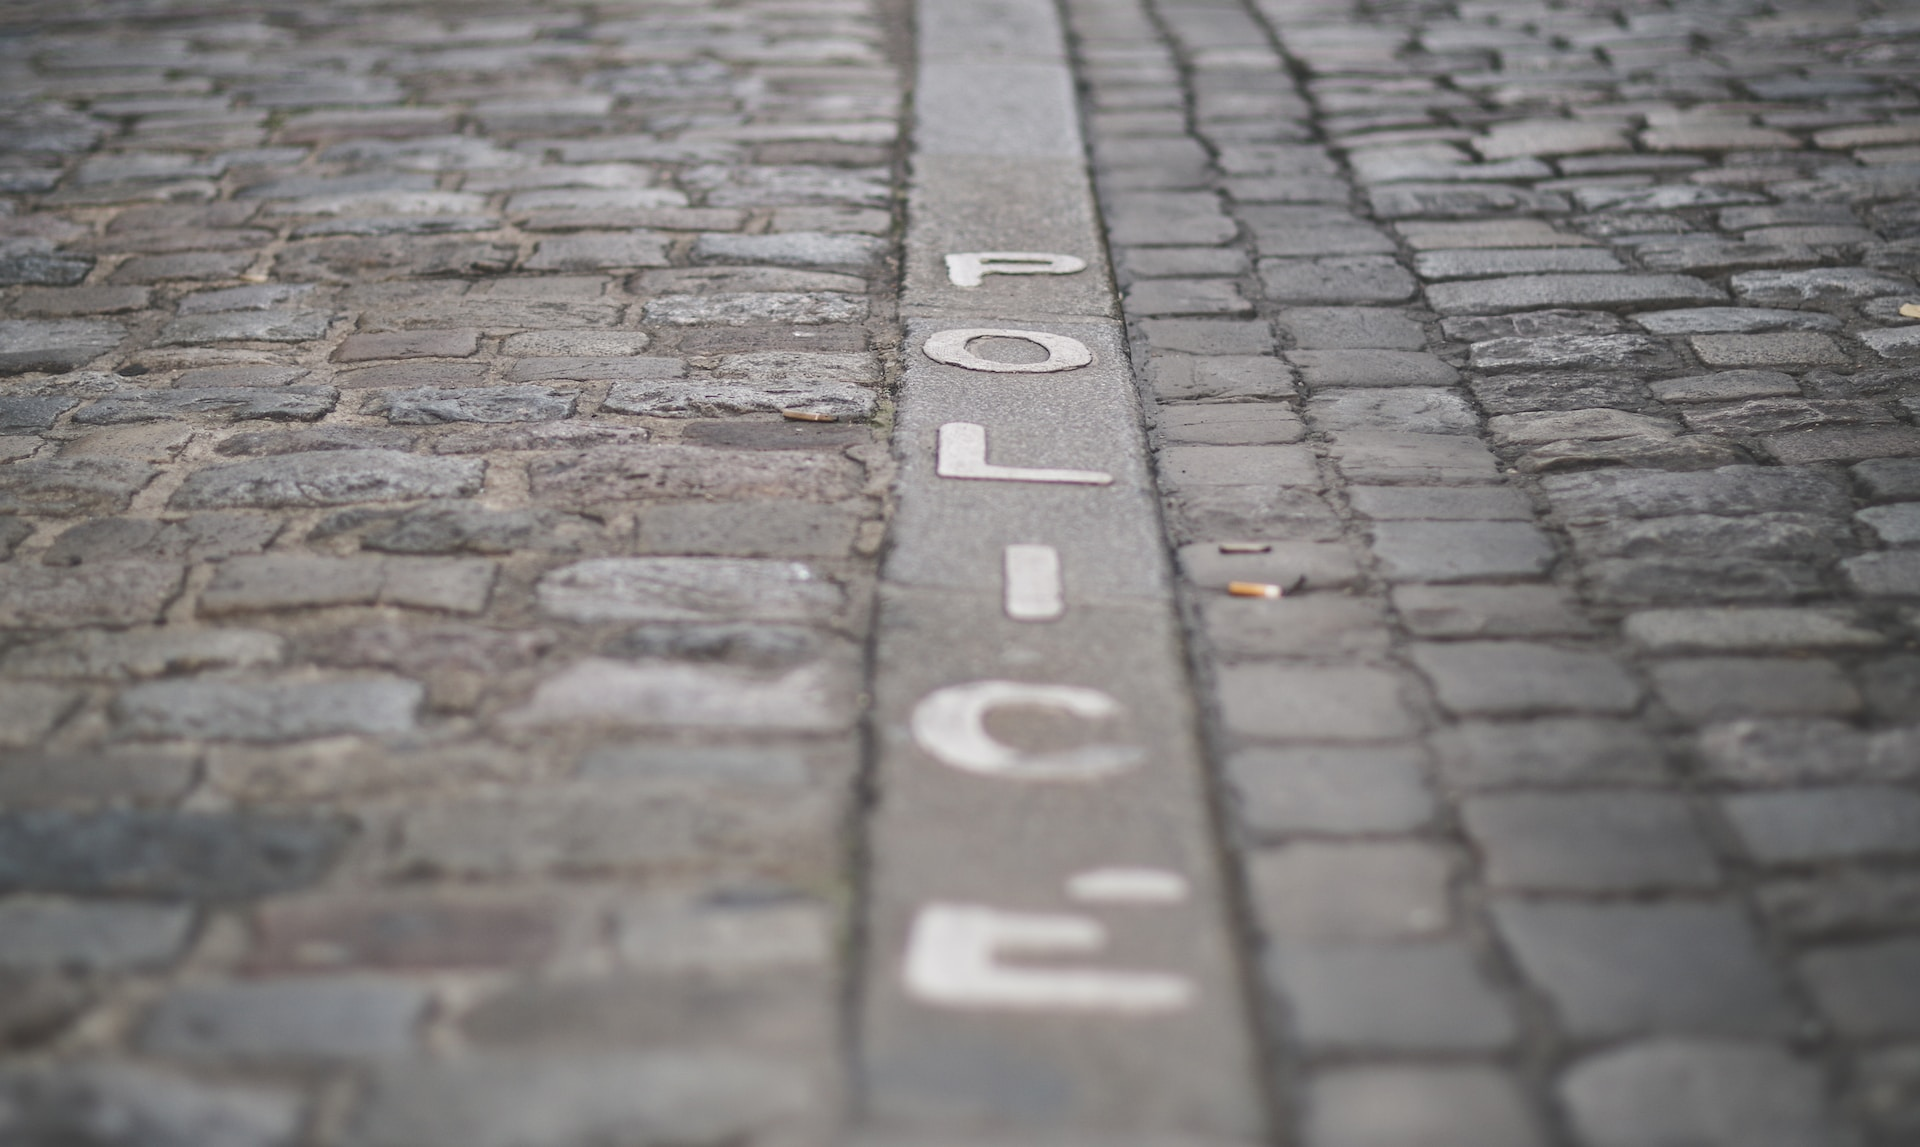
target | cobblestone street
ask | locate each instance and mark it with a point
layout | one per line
(960, 573)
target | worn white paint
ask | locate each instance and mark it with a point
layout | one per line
(950, 725)
(968, 268)
(1127, 886)
(954, 958)
(1033, 590)
(962, 453)
(950, 347)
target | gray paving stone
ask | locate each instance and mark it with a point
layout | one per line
(1782, 348)
(1323, 368)
(1167, 219)
(1186, 297)
(55, 345)
(1412, 503)
(1866, 990)
(31, 413)
(1316, 892)
(1893, 525)
(1331, 790)
(1710, 1092)
(1562, 751)
(712, 399)
(1750, 630)
(790, 248)
(1717, 688)
(1595, 424)
(1524, 292)
(51, 934)
(107, 593)
(1395, 1106)
(1308, 231)
(1597, 841)
(292, 1018)
(432, 405)
(1518, 679)
(1459, 200)
(577, 369)
(1351, 328)
(1230, 424)
(301, 581)
(1382, 458)
(1219, 378)
(329, 478)
(1207, 336)
(1573, 352)
(602, 474)
(1422, 410)
(1823, 285)
(687, 589)
(1335, 280)
(1842, 444)
(1312, 626)
(1895, 574)
(1162, 262)
(1439, 265)
(1189, 467)
(758, 530)
(246, 326)
(455, 343)
(1530, 324)
(64, 487)
(238, 403)
(812, 697)
(1729, 491)
(1460, 551)
(772, 835)
(1488, 611)
(1731, 320)
(1812, 825)
(201, 856)
(1515, 393)
(122, 655)
(594, 251)
(127, 1105)
(1619, 969)
(1278, 702)
(1316, 565)
(578, 1100)
(1362, 996)
(751, 308)
(267, 712)
(1726, 386)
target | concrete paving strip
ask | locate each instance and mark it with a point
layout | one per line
(1050, 958)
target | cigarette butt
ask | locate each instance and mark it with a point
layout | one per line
(1254, 589)
(806, 416)
(1246, 547)
(1910, 310)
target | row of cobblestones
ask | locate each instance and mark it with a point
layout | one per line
(431, 664)
(1564, 355)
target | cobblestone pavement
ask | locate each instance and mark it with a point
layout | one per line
(1561, 349)
(433, 666)
(437, 629)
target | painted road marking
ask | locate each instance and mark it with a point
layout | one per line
(962, 453)
(953, 961)
(1127, 886)
(1033, 591)
(967, 268)
(1063, 351)
(950, 725)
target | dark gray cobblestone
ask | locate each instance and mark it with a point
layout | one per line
(1595, 320)
(334, 342)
